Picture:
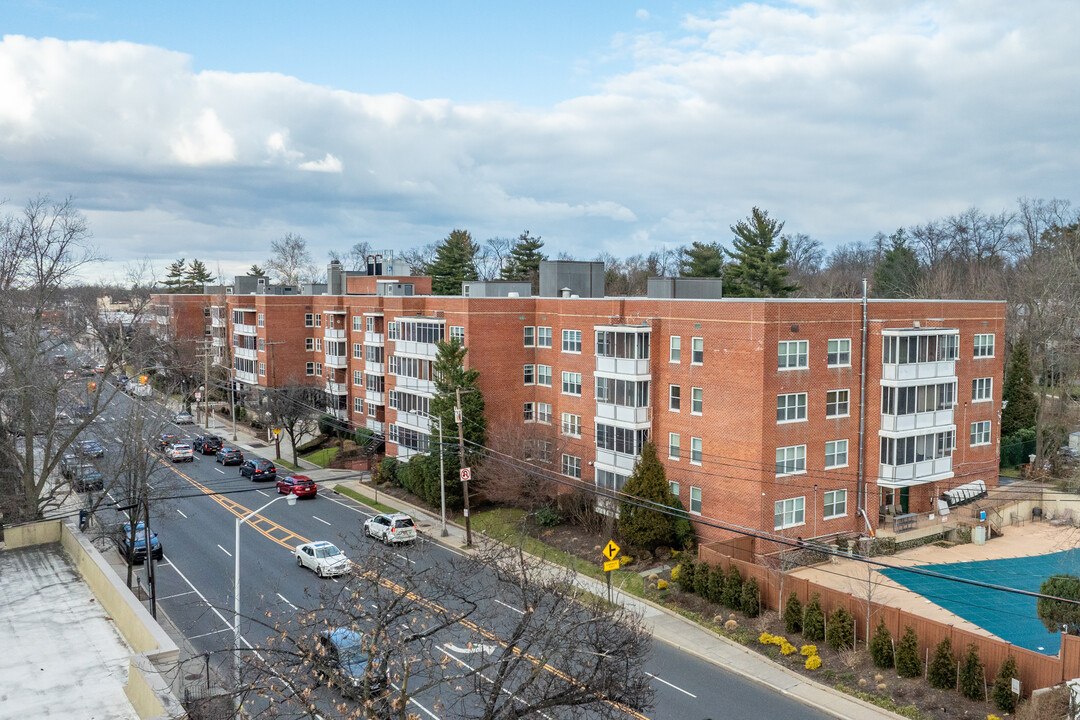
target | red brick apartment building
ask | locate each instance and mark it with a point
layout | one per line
(760, 408)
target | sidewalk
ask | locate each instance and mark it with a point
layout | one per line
(664, 624)
(249, 442)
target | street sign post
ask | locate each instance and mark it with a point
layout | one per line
(610, 551)
(466, 474)
(277, 431)
(610, 565)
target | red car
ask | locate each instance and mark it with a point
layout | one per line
(299, 485)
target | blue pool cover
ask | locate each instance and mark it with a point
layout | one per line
(1010, 616)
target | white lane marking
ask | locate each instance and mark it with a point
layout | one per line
(170, 597)
(149, 486)
(119, 441)
(262, 493)
(202, 597)
(654, 677)
(212, 632)
(320, 519)
(225, 551)
(405, 558)
(286, 601)
(220, 470)
(181, 512)
(481, 648)
(511, 607)
(414, 702)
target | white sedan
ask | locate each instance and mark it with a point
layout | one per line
(322, 557)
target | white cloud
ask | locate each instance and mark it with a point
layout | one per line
(642, 14)
(328, 164)
(204, 142)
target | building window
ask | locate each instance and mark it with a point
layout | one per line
(571, 383)
(697, 400)
(544, 449)
(373, 354)
(262, 345)
(309, 320)
(674, 487)
(318, 319)
(836, 454)
(839, 353)
(318, 344)
(697, 351)
(695, 451)
(984, 345)
(530, 336)
(571, 341)
(982, 389)
(318, 369)
(571, 466)
(571, 425)
(357, 326)
(262, 320)
(357, 403)
(676, 349)
(543, 413)
(457, 332)
(543, 337)
(793, 354)
(835, 504)
(530, 376)
(791, 460)
(836, 403)
(674, 397)
(980, 433)
(528, 412)
(262, 369)
(357, 378)
(357, 351)
(695, 500)
(790, 407)
(789, 513)
(309, 368)
(543, 375)
(369, 324)
(309, 343)
(673, 446)
(372, 409)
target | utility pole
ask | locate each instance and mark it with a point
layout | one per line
(458, 417)
(232, 395)
(206, 381)
(442, 477)
(273, 385)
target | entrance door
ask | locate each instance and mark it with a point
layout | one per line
(904, 493)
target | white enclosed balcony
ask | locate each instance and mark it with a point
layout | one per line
(918, 473)
(247, 377)
(336, 361)
(375, 426)
(218, 322)
(374, 397)
(616, 461)
(426, 387)
(336, 388)
(373, 338)
(938, 370)
(241, 329)
(246, 353)
(622, 366)
(412, 420)
(375, 368)
(334, 333)
(917, 421)
(428, 351)
(622, 414)
(217, 341)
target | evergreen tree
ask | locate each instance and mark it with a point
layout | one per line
(942, 670)
(908, 663)
(750, 601)
(256, 271)
(813, 622)
(1060, 615)
(715, 591)
(450, 373)
(1019, 399)
(682, 530)
(881, 649)
(702, 578)
(1004, 698)
(758, 265)
(643, 522)
(454, 263)
(897, 275)
(703, 260)
(524, 261)
(793, 614)
(733, 582)
(196, 276)
(687, 571)
(972, 675)
(840, 631)
(175, 276)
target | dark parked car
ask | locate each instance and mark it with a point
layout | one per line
(92, 448)
(69, 465)
(121, 381)
(139, 553)
(258, 469)
(82, 409)
(229, 456)
(87, 477)
(207, 444)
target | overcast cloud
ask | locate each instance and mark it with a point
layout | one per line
(841, 120)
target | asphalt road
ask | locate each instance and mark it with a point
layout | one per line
(195, 582)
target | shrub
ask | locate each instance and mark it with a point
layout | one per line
(808, 650)
(702, 573)
(750, 602)
(814, 619)
(661, 584)
(731, 626)
(908, 664)
(625, 560)
(881, 649)
(813, 662)
(548, 517)
(972, 677)
(942, 670)
(840, 632)
(793, 614)
(787, 648)
(732, 594)
(765, 638)
(363, 436)
(1002, 694)
(675, 573)
(716, 585)
(684, 574)
(387, 471)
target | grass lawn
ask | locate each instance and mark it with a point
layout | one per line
(1009, 472)
(503, 524)
(285, 463)
(358, 497)
(322, 457)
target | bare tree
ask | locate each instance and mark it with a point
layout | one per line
(290, 260)
(294, 407)
(505, 481)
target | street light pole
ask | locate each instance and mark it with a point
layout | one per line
(291, 498)
(232, 395)
(459, 417)
(442, 480)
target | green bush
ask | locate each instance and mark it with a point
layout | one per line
(972, 675)
(881, 649)
(942, 670)
(813, 622)
(750, 602)
(793, 614)
(715, 590)
(840, 631)
(548, 517)
(362, 436)
(682, 529)
(1004, 698)
(701, 579)
(908, 663)
(687, 572)
(732, 594)
(1017, 448)
(387, 471)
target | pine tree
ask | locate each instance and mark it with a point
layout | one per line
(703, 260)
(732, 588)
(897, 275)
(524, 261)
(1004, 698)
(757, 269)
(840, 631)
(813, 622)
(1020, 403)
(881, 649)
(454, 263)
(256, 271)
(908, 663)
(942, 670)
(197, 276)
(715, 592)
(750, 602)
(450, 373)
(175, 276)
(687, 571)
(644, 523)
(793, 614)
(702, 578)
(972, 675)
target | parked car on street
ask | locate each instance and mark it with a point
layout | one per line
(92, 448)
(99, 368)
(138, 554)
(167, 440)
(391, 528)
(207, 444)
(82, 409)
(60, 359)
(258, 469)
(121, 381)
(69, 464)
(183, 418)
(87, 477)
(299, 485)
(343, 663)
(229, 456)
(180, 452)
(69, 374)
(322, 557)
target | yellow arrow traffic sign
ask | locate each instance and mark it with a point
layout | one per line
(611, 550)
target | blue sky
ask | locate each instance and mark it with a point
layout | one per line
(209, 129)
